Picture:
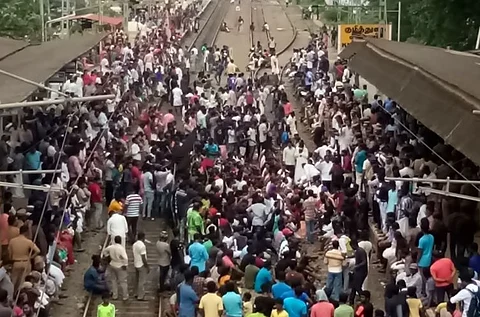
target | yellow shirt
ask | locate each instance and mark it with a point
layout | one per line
(211, 303)
(106, 311)
(115, 206)
(224, 279)
(275, 313)
(442, 310)
(414, 306)
(231, 68)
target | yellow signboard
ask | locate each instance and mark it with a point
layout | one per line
(346, 32)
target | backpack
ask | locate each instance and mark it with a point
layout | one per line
(285, 137)
(474, 308)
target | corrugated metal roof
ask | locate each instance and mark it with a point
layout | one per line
(440, 109)
(9, 46)
(38, 63)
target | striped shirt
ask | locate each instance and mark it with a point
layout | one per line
(133, 204)
(310, 209)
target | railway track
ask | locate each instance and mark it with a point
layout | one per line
(152, 306)
(257, 16)
(209, 30)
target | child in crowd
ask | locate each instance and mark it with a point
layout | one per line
(106, 309)
(247, 304)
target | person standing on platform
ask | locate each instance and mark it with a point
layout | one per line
(117, 269)
(141, 265)
(198, 253)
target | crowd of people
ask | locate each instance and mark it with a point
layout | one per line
(256, 214)
(255, 203)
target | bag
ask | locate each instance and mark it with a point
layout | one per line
(474, 308)
(285, 137)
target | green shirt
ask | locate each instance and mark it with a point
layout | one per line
(194, 222)
(256, 315)
(250, 274)
(208, 245)
(106, 311)
(344, 310)
(359, 94)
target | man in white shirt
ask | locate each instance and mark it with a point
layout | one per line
(117, 268)
(177, 100)
(466, 293)
(149, 195)
(117, 226)
(104, 64)
(263, 134)
(325, 166)
(289, 159)
(135, 149)
(406, 170)
(141, 265)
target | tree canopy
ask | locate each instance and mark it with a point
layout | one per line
(19, 18)
(443, 23)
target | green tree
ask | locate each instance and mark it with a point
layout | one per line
(19, 18)
(445, 23)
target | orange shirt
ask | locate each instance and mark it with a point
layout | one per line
(322, 309)
(4, 229)
(442, 269)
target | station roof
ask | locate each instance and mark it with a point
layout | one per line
(40, 62)
(97, 18)
(9, 46)
(435, 85)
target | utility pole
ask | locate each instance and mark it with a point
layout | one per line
(125, 16)
(49, 16)
(68, 21)
(100, 13)
(42, 18)
(62, 25)
(399, 22)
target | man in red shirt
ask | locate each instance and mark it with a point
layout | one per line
(136, 175)
(443, 272)
(96, 199)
